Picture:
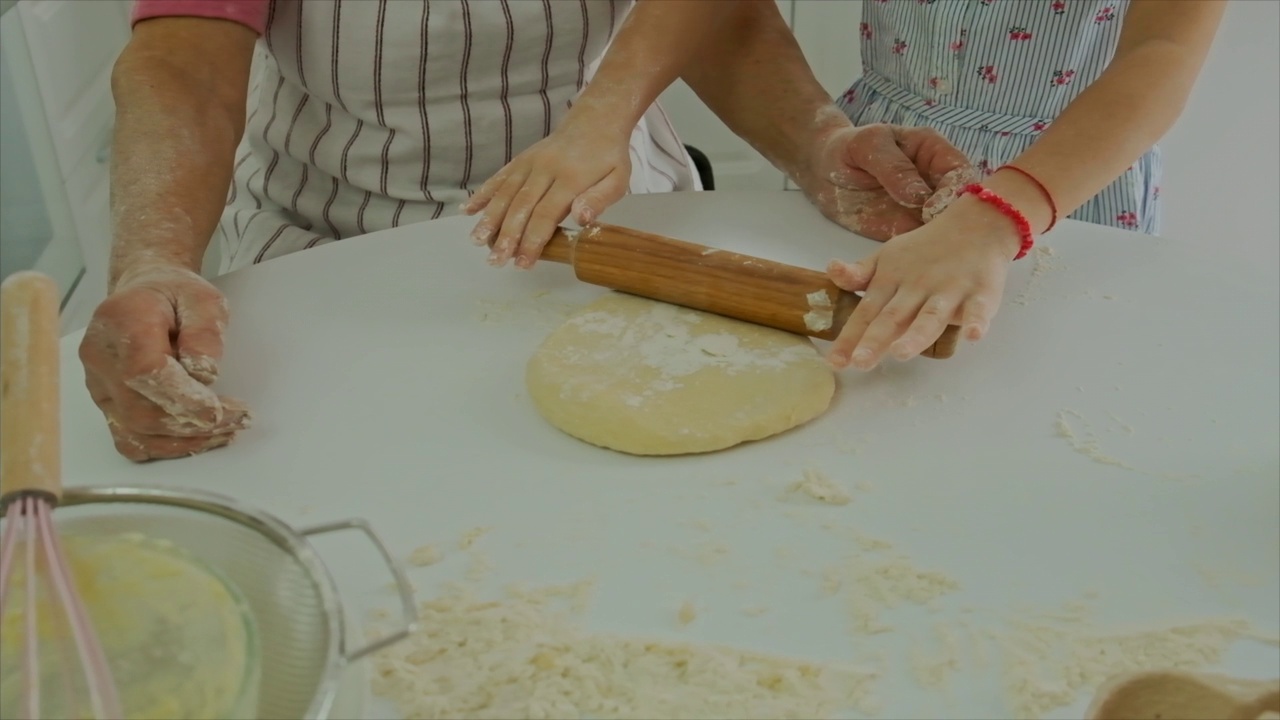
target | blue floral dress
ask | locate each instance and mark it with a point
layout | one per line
(991, 75)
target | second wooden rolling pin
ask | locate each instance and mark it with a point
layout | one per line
(743, 287)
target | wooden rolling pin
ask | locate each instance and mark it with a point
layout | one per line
(743, 287)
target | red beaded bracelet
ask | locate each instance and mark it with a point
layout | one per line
(1009, 211)
(1053, 206)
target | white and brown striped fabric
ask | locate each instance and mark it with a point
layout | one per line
(370, 114)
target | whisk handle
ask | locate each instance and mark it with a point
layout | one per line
(30, 450)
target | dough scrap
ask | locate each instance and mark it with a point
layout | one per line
(649, 378)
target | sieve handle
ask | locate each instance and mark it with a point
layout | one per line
(403, 588)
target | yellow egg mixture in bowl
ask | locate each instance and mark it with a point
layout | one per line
(179, 638)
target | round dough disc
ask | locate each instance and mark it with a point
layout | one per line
(648, 378)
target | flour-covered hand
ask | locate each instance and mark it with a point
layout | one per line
(950, 271)
(580, 169)
(149, 354)
(883, 180)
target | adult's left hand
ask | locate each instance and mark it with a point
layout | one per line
(582, 168)
(883, 180)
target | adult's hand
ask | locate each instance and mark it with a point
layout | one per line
(883, 180)
(150, 354)
(582, 168)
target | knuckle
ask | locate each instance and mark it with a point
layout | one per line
(893, 313)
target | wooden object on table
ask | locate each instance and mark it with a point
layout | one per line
(1185, 696)
(786, 297)
(30, 450)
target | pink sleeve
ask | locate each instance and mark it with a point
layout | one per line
(251, 13)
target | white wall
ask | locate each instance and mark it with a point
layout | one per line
(1222, 159)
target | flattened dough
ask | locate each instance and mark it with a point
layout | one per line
(648, 378)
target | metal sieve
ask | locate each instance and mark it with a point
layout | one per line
(291, 593)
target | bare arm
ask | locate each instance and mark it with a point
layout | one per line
(180, 88)
(1134, 102)
(752, 74)
(656, 41)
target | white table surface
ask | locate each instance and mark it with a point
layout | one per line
(382, 390)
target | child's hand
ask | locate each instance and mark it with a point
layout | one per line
(582, 167)
(951, 271)
(876, 180)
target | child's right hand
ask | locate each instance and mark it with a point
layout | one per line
(878, 180)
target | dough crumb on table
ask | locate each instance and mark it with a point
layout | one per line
(425, 555)
(522, 657)
(817, 485)
(470, 537)
(687, 614)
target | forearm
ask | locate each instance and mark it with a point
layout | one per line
(655, 42)
(1109, 126)
(1122, 114)
(752, 74)
(171, 165)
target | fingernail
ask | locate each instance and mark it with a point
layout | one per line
(524, 263)
(838, 360)
(862, 358)
(495, 258)
(481, 234)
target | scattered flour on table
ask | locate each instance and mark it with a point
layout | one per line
(538, 310)
(817, 485)
(523, 656)
(470, 537)
(934, 667)
(875, 578)
(1084, 441)
(1051, 659)
(1041, 262)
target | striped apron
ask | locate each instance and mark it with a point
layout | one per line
(991, 75)
(371, 114)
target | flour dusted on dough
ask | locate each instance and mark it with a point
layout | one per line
(649, 378)
(523, 657)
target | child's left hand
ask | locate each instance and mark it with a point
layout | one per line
(950, 271)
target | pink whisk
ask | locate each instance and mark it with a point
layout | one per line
(31, 486)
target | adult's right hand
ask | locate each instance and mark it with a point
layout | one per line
(150, 354)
